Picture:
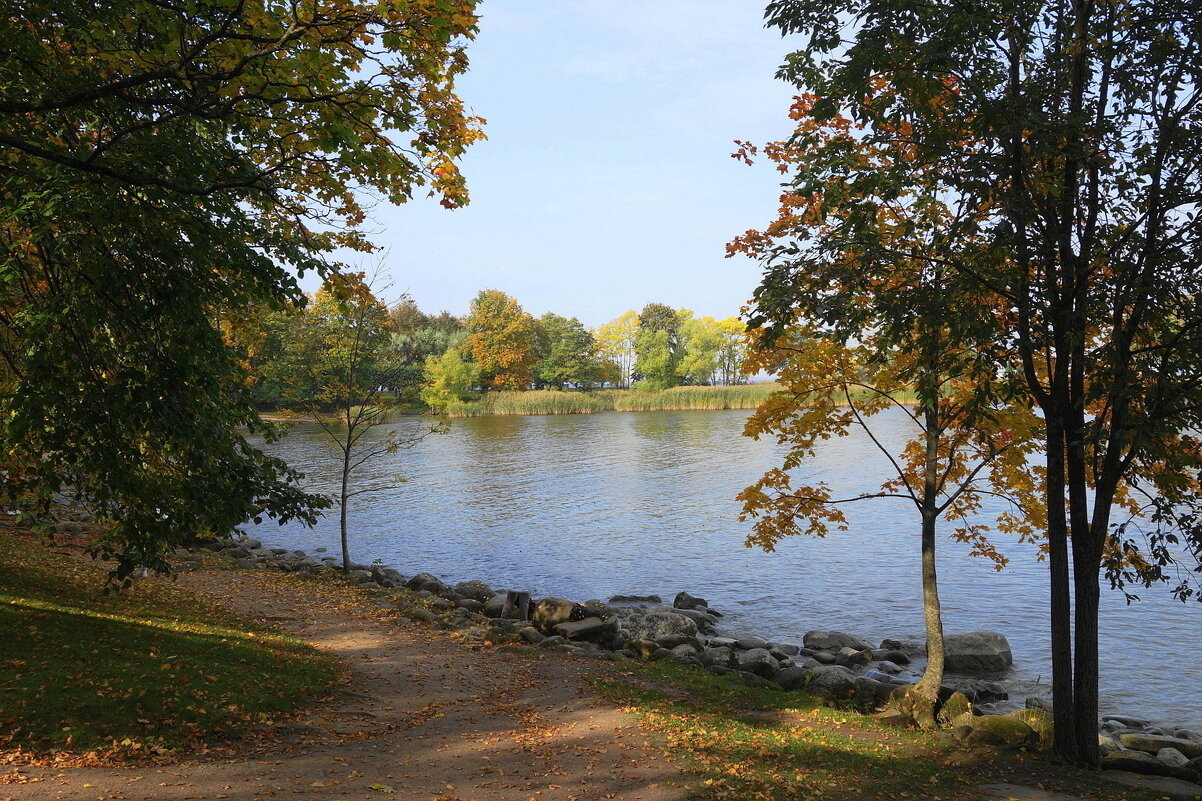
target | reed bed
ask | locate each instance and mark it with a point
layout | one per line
(549, 401)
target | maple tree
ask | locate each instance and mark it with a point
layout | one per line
(160, 166)
(855, 317)
(502, 340)
(1071, 130)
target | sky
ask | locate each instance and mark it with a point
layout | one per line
(606, 181)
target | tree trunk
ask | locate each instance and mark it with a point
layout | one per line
(932, 676)
(1064, 741)
(1085, 663)
(346, 475)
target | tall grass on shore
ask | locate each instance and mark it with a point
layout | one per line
(549, 401)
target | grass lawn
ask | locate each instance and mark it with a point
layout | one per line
(742, 743)
(149, 669)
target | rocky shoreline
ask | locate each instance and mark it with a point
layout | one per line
(843, 668)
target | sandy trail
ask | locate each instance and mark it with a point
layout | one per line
(423, 717)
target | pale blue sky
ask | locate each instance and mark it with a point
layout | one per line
(606, 181)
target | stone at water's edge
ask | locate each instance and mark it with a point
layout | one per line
(977, 652)
(834, 640)
(550, 612)
(1152, 743)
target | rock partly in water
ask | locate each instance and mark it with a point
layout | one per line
(977, 652)
(832, 641)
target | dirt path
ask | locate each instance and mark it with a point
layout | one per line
(423, 718)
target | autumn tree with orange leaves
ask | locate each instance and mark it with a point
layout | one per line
(856, 317)
(502, 340)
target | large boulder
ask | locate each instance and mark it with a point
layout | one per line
(476, 590)
(832, 681)
(659, 624)
(685, 601)
(1152, 743)
(550, 612)
(793, 678)
(723, 657)
(757, 661)
(834, 640)
(977, 652)
(1011, 730)
(1138, 762)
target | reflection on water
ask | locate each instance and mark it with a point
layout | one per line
(589, 506)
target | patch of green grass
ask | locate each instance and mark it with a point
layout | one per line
(759, 744)
(745, 743)
(150, 668)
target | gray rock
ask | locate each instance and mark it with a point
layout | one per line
(421, 578)
(850, 657)
(887, 667)
(476, 590)
(551, 642)
(757, 661)
(834, 640)
(792, 678)
(787, 650)
(1136, 762)
(748, 643)
(671, 641)
(911, 648)
(636, 599)
(1188, 734)
(470, 605)
(360, 577)
(805, 662)
(657, 624)
(434, 586)
(977, 652)
(704, 620)
(1039, 702)
(278, 551)
(494, 605)
(1125, 720)
(979, 692)
(685, 653)
(1152, 743)
(823, 657)
(722, 642)
(1172, 757)
(832, 681)
(591, 628)
(871, 692)
(685, 601)
(441, 604)
(717, 656)
(598, 608)
(1108, 745)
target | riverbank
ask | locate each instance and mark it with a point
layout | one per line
(839, 668)
(430, 711)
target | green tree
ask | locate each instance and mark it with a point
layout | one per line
(449, 379)
(1073, 128)
(657, 347)
(568, 353)
(161, 165)
(345, 393)
(502, 340)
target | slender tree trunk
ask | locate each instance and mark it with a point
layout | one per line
(1085, 663)
(1065, 735)
(346, 476)
(932, 675)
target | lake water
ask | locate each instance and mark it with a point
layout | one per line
(590, 506)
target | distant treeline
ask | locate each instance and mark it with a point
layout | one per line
(495, 353)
